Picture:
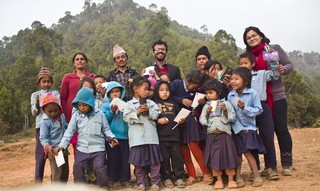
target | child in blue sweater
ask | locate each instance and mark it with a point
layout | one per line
(93, 131)
(118, 166)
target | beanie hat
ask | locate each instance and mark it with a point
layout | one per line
(50, 98)
(44, 72)
(84, 95)
(117, 50)
(203, 51)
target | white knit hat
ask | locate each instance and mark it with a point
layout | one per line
(117, 50)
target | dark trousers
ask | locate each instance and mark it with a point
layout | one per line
(282, 132)
(172, 160)
(266, 132)
(99, 166)
(141, 171)
(40, 160)
(118, 165)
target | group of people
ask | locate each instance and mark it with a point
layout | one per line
(129, 117)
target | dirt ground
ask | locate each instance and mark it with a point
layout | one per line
(17, 167)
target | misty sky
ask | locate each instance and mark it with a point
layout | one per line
(289, 23)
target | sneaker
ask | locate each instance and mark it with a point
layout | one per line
(257, 181)
(154, 187)
(287, 170)
(180, 183)
(141, 187)
(271, 174)
(168, 183)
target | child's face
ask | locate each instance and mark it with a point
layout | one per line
(245, 62)
(164, 77)
(141, 91)
(87, 85)
(115, 92)
(192, 86)
(237, 82)
(212, 95)
(164, 92)
(84, 108)
(51, 110)
(45, 82)
(98, 82)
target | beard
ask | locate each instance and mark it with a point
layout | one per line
(160, 58)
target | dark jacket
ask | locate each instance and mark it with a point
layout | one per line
(173, 72)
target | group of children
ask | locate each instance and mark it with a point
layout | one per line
(146, 134)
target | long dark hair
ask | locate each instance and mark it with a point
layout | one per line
(257, 30)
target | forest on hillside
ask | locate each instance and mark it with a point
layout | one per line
(99, 27)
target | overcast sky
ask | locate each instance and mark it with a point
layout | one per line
(289, 23)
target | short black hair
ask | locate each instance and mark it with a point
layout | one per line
(214, 85)
(160, 42)
(245, 74)
(248, 55)
(195, 77)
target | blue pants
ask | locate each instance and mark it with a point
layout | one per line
(40, 160)
(118, 165)
(99, 166)
(266, 132)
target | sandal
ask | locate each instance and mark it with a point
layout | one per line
(232, 184)
(218, 185)
(191, 180)
(207, 178)
(257, 181)
(240, 183)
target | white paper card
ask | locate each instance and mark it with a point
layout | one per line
(196, 98)
(182, 114)
(147, 70)
(235, 100)
(214, 104)
(59, 159)
(120, 103)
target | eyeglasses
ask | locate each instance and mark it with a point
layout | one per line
(252, 36)
(118, 57)
(160, 50)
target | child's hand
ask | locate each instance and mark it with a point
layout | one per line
(56, 150)
(114, 108)
(114, 142)
(240, 104)
(181, 121)
(209, 109)
(223, 106)
(187, 102)
(142, 108)
(226, 79)
(201, 101)
(163, 120)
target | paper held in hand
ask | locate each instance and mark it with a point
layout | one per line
(119, 102)
(59, 159)
(147, 72)
(41, 97)
(196, 98)
(214, 104)
(235, 100)
(182, 114)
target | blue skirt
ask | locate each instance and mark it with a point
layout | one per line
(191, 130)
(248, 140)
(145, 155)
(220, 152)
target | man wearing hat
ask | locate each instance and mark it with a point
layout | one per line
(202, 56)
(122, 73)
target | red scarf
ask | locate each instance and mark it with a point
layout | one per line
(261, 64)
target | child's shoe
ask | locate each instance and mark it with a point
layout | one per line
(180, 183)
(232, 184)
(168, 183)
(257, 181)
(218, 185)
(141, 187)
(240, 183)
(155, 187)
(287, 170)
